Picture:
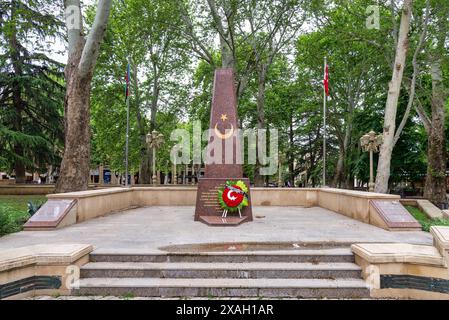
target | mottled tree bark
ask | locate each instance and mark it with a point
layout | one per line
(435, 185)
(353, 93)
(83, 54)
(339, 169)
(262, 74)
(75, 166)
(394, 88)
(145, 161)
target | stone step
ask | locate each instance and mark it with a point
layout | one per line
(220, 270)
(299, 256)
(270, 288)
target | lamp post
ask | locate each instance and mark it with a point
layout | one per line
(370, 142)
(175, 178)
(155, 141)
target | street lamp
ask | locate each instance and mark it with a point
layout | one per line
(155, 141)
(370, 142)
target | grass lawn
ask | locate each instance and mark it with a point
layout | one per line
(425, 221)
(13, 212)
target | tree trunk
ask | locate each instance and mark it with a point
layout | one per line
(435, 185)
(225, 34)
(19, 166)
(75, 165)
(154, 102)
(339, 178)
(291, 160)
(227, 56)
(18, 103)
(145, 162)
(339, 169)
(145, 165)
(258, 179)
(83, 54)
(386, 149)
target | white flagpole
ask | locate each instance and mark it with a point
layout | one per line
(324, 124)
(127, 125)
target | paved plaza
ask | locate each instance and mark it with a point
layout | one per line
(151, 228)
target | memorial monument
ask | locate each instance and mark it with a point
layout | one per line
(223, 197)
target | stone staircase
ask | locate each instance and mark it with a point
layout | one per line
(305, 273)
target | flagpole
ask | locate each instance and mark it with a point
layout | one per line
(127, 129)
(324, 125)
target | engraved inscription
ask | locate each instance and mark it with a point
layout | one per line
(209, 198)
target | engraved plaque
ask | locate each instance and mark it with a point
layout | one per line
(51, 213)
(394, 214)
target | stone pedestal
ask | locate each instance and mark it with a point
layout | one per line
(208, 209)
(223, 125)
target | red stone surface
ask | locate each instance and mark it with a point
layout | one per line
(224, 103)
(223, 120)
(395, 215)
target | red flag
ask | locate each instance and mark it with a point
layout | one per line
(326, 80)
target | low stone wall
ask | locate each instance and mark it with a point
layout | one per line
(41, 269)
(305, 197)
(25, 189)
(353, 204)
(164, 196)
(95, 203)
(39, 189)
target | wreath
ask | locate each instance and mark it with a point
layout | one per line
(233, 196)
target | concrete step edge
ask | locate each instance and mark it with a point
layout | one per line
(221, 283)
(300, 252)
(341, 266)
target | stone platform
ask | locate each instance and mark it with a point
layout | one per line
(151, 228)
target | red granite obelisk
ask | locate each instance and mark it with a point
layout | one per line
(224, 127)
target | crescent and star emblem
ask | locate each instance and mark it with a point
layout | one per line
(227, 135)
(230, 196)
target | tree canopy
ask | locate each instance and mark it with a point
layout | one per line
(277, 49)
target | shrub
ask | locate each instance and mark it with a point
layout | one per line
(5, 220)
(424, 220)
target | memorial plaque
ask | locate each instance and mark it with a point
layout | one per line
(223, 125)
(395, 215)
(50, 214)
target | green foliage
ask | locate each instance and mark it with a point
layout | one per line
(5, 221)
(171, 83)
(13, 212)
(31, 86)
(11, 220)
(424, 220)
(158, 63)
